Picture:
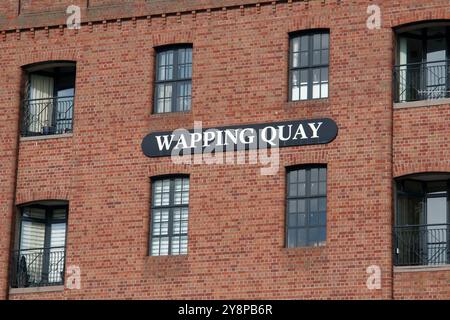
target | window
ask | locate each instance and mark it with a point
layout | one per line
(170, 212)
(173, 88)
(422, 221)
(40, 256)
(422, 71)
(308, 69)
(306, 206)
(49, 99)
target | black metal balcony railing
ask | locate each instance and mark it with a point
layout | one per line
(422, 81)
(421, 245)
(47, 116)
(38, 267)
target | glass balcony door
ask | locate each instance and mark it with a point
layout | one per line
(40, 258)
(422, 71)
(437, 229)
(422, 224)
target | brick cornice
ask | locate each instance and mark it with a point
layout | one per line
(137, 9)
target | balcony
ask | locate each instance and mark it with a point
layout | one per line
(48, 116)
(422, 81)
(422, 245)
(37, 267)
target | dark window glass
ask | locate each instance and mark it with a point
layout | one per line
(48, 102)
(170, 212)
(306, 206)
(422, 224)
(173, 88)
(40, 256)
(309, 60)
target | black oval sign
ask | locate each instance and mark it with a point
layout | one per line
(241, 137)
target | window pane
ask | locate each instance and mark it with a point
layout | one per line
(313, 219)
(316, 75)
(301, 238)
(32, 235)
(164, 246)
(185, 197)
(34, 213)
(295, 86)
(317, 54)
(292, 238)
(325, 40)
(324, 75)
(184, 96)
(293, 176)
(302, 175)
(301, 222)
(301, 206)
(292, 206)
(295, 44)
(304, 43)
(184, 65)
(304, 77)
(322, 204)
(304, 59)
(184, 213)
(293, 189)
(59, 214)
(164, 98)
(176, 245)
(165, 66)
(314, 205)
(292, 222)
(155, 247)
(295, 60)
(301, 189)
(317, 41)
(183, 245)
(325, 57)
(324, 90)
(314, 236)
(322, 188)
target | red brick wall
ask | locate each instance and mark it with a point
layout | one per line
(421, 140)
(237, 216)
(422, 285)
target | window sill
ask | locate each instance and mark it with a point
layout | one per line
(55, 136)
(171, 114)
(421, 103)
(168, 257)
(313, 102)
(444, 267)
(300, 249)
(35, 290)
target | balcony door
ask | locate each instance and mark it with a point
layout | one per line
(422, 71)
(437, 228)
(49, 99)
(41, 103)
(422, 223)
(40, 258)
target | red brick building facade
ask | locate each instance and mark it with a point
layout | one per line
(390, 127)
